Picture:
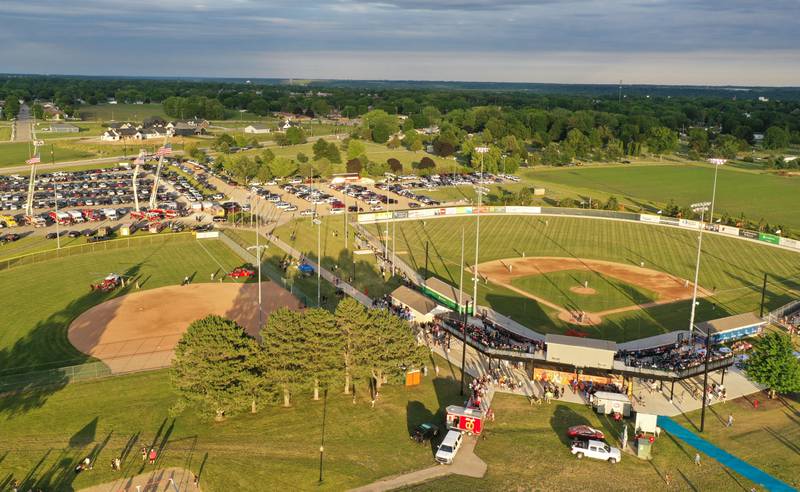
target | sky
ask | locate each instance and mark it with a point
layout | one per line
(701, 42)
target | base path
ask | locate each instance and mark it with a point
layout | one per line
(668, 288)
(139, 331)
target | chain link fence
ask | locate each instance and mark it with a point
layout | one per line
(54, 377)
(110, 245)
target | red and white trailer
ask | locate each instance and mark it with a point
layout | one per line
(462, 419)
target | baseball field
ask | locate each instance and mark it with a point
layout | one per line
(730, 281)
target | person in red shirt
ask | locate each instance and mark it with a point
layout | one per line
(153, 456)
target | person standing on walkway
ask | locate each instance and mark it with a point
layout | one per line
(730, 420)
(153, 456)
(697, 459)
(144, 453)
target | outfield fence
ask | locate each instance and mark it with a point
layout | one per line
(60, 376)
(110, 245)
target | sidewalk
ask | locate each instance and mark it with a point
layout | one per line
(466, 463)
(167, 479)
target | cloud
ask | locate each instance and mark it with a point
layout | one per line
(215, 35)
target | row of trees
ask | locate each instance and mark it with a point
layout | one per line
(220, 370)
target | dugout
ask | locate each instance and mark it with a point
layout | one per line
(580, 352)
(422, 309)
(731, 328)
(447, 295)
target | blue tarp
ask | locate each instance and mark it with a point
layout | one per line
(726, 459)
(306, 268)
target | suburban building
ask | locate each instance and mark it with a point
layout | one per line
(256, 128)
(421, 309)
(731, 328)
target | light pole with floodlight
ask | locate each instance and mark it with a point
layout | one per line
(259, 248)
(480, 150)
(318, 223)
(697, 207)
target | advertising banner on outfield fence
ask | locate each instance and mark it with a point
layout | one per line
(363, 218)
(497, 210)
(401, 214)
(691, 224)
(769, 238)
(789, 243)
(748, 234)
(208, 235)
(732, 231)
(669, 221)
(460, 210)
(425, 212)
(513, 209)
(649, 218)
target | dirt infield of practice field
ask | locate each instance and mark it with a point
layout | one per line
(139, 331)
(668, 288)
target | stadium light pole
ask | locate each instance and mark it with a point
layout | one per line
(259, 247)
(697, 207)
(717, 163)
(460, 304)
(480, 150)
(319, 259)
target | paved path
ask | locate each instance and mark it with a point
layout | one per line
(726, 459)
(466, 463)
(167, 479)
(22, 125)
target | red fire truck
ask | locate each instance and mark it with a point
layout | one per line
(468, 420)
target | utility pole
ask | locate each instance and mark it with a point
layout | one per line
(258, 247)
(697, 207)
(705, 380)
(460, 304)
(763, 294)
(319, 260)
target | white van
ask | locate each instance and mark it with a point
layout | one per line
(449, 447)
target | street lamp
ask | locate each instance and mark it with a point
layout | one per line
(322, 443)
(481, 151)
(318, 223)
(717, 163)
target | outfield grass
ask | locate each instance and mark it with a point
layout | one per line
(609, 293)
(15, 154)
(121, 112)
(5, 132)
(733, 268)
(276, 448)
(525, 450)
(756, 194)
(40, 300)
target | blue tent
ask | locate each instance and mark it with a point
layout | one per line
(306, 268)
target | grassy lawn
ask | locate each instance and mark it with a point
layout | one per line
(5, 132)
(275, 448)
(732, 267)
(15, 154)
(86, 129)
(756, 194)
(610, 292)
(525, 450)
(42, 299)
(121, 112)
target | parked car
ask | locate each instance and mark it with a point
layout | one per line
(449, 447)
(74, 234)
(597, 450)
(424, 432)
(584, 432)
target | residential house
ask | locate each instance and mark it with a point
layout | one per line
(152, 132)
(184, 129)
(256, 128)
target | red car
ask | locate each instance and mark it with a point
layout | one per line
(585, 432)
(242, 272)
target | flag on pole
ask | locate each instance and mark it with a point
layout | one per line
(140, 159)
(34, 160)
(164, 150)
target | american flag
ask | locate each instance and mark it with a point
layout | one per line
(166, 149)
(34, 160)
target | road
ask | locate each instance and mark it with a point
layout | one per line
(22, 125)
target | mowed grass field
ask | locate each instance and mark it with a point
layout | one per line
(756, 194)
(733, 268)
(609, 293)
(121, 112)
(16, 153)
(40, 300)
(45, 435)
(526, 449)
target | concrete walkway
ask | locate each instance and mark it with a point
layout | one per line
(466, 463)
(166, 479)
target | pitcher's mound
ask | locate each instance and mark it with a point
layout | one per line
(139, 331)
(585, 291)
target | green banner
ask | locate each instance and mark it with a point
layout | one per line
(769, 238)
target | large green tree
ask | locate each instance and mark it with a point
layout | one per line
(661, 140)
(776, 138)
(211, 366)
(774, 365)
(286, 352)
(324, 348)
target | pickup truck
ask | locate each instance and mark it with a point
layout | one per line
(597, 450)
